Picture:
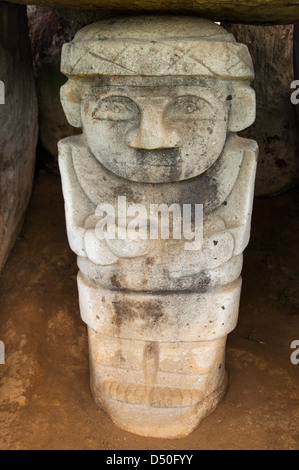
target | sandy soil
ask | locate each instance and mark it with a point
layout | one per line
(45, 399)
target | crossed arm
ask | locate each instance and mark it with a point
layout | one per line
(226, 231)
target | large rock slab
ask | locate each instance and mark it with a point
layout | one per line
(248, 11)
(18, 123)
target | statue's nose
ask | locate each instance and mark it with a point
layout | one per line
(152, 134)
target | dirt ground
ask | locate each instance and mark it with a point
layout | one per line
(45, 399)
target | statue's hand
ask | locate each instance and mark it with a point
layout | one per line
(97, 250)
(107, 251)
(217, 249)
(129, 248)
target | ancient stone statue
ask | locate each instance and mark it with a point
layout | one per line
(160, 101)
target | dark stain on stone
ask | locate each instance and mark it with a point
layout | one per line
(203, 282)
(194, 283)
(150, 311)
(215, 242)
(169, 158)
(125, 190)
(119, 360)
(115, 282)
(150, 261)
(206, 193)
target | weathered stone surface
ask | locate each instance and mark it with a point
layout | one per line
(18, 123)
(276, 128)
(248, 11)
(158, 306)
(49, 30)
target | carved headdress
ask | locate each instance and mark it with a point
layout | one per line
(157, 46)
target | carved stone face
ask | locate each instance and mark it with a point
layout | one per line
(156, 133)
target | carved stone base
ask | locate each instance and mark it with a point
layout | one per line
(153, 392)
(159, 422)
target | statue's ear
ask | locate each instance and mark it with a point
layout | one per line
(243, 109)
(70, 99)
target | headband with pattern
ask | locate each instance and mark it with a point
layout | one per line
(157, 46)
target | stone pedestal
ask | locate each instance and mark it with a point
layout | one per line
(158, 195)
(149, 391)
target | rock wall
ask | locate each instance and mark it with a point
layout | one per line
(18, 123)
(49, 30)
(276, 128)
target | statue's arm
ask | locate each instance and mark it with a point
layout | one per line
(77, 204)
(80, 214)
(237, 209)
(227, 229)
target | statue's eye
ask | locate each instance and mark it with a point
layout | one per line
(116, 108)
(189, 107)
